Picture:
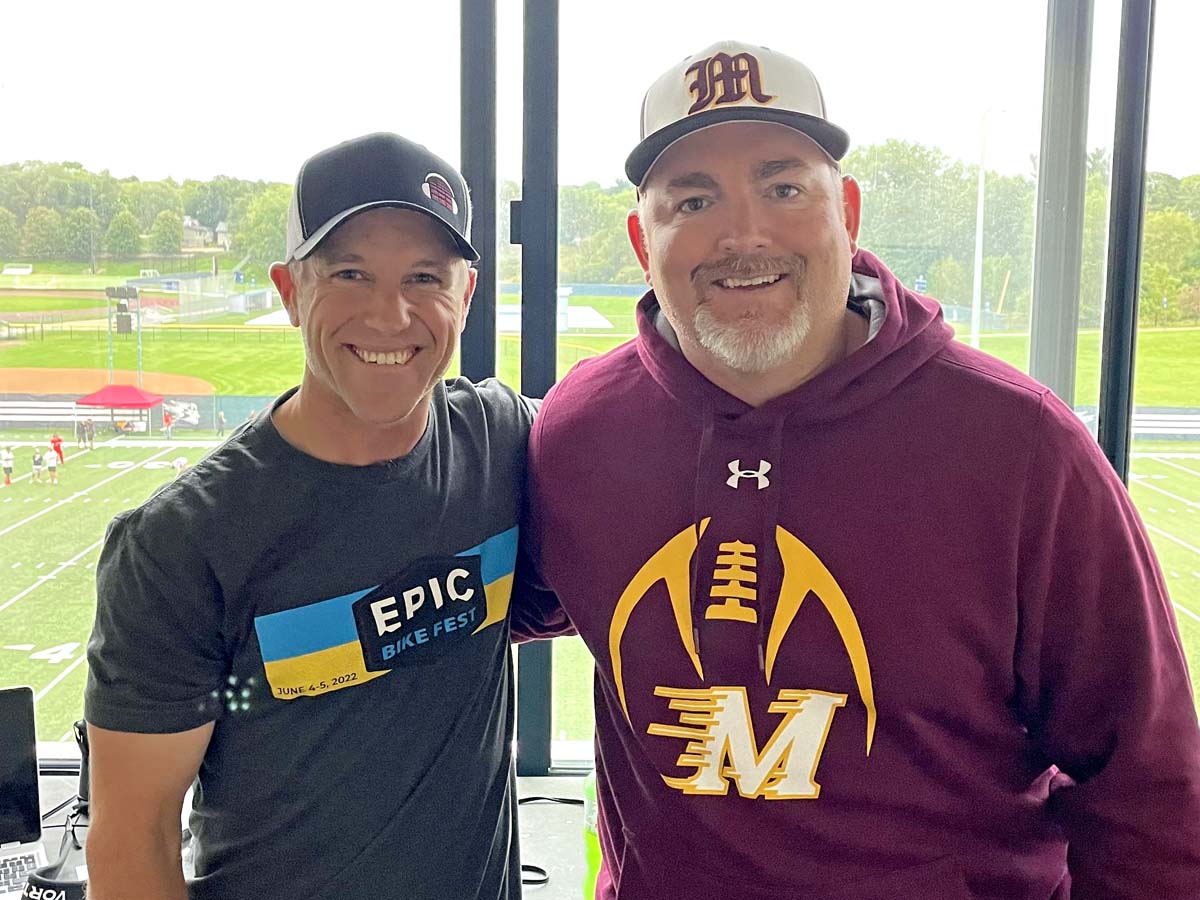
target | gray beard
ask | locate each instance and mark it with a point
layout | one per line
(749, 345)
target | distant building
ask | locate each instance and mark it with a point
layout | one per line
(195, 234)
(224, 238)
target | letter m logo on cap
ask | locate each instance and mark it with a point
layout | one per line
(724, 79)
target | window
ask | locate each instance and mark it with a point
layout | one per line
(150, 148)
(1164, 477)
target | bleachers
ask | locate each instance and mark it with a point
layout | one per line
(1166, 425)
(1148, 424)
(62, 414)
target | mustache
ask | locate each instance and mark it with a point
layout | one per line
(746, 267)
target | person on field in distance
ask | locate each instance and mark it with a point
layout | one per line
(51, 462)
(312, 623)
(872, 615)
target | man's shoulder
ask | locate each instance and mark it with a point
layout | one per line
(491, 402)
(593, 380)
(228, 479)
(974, 370)
(988, 388)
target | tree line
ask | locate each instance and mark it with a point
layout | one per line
(919, 209)
(63, 211)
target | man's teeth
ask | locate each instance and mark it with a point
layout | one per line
(391, 358)
(748, 282)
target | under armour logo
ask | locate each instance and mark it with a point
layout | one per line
(735, 466)
(723, 79)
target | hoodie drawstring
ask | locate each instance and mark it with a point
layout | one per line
(706, 436)
(770, 572)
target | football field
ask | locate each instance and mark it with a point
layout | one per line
(50, 538)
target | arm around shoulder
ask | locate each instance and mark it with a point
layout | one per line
(138, 782)
(536, 611)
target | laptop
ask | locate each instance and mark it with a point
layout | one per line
(21, 850)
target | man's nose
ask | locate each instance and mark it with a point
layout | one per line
(390, 310)
(744, 229)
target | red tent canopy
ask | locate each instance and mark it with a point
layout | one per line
(121, 396)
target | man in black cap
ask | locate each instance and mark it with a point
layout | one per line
(324, 651)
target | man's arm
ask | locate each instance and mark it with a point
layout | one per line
(155, 659)
(535, 610)
(1102, 680)
(138, 782)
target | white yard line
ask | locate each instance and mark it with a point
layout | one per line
(61, 675)
(42, 579)
(134, 468)
(1167, 462)
(1184, 500)
(1171, 537)
(1182, 543)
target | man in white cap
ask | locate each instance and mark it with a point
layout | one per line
(872, 615)
(311, 623)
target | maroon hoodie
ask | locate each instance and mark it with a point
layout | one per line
(897, 634)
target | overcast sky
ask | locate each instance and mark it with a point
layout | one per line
(251, 88)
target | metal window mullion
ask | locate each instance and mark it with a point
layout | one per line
(1061, 187)
(538, 226)
(1126, 214)
(477, 139)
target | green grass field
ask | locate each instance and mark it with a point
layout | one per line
(50, 534)
(48, 304)
(50, 538)
(74, 275)
(267, 360)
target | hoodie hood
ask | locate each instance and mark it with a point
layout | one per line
(912, 332)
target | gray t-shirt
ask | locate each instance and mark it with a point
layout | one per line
(346, 628)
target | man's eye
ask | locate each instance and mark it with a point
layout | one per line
(693, 204)
(426, 278)
(785, 191)
(349, 275)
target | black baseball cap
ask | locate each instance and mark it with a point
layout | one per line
(369, 172)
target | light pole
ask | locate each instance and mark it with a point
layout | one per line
(109, 295)
(977, 282)
(133, 295)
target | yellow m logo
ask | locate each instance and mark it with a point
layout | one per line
(803, 574)
(716, 724)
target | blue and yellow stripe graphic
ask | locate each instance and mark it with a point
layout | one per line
(314, 649)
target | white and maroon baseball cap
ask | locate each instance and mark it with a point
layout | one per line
(369, 172)
(732, 82)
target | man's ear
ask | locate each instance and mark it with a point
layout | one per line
(852, 209)
(472, 280)
(637, 237)
(281, 275)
